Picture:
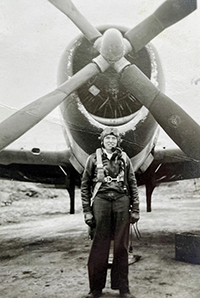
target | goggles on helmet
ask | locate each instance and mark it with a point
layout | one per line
(110, 131)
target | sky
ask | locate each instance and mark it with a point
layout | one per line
(34, 34)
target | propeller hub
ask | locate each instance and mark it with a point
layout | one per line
(112, 46)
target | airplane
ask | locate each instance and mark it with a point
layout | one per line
(108, 76)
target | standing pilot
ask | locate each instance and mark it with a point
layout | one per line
(110, 202)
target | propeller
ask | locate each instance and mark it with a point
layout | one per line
(33, 113)
(183, 130)
(169, 13)
(180, 127)
(21, 121)
(70, 10)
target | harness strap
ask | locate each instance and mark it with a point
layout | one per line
(96, 189)
(100, 173)
(100, 169)
(124, 156)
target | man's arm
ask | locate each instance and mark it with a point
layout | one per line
(133, 192)
(86, 191)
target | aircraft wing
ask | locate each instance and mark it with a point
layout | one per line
(40, 155)
(169, 164)
(172, 165)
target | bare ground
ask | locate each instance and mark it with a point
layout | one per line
(44, 249)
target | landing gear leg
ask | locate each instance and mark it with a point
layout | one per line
(70, 186)
(149, 190)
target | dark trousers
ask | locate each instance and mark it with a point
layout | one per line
(112, 222)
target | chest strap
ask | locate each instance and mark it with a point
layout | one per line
(100, 169)
(100, 173)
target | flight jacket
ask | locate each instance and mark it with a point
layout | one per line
(89, 179)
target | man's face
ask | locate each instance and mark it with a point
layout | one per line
(109, 142)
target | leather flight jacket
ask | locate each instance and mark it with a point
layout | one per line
(119, 178)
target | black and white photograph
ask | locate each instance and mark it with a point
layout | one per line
(99, 149)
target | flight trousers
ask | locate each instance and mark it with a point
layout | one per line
(111, 216)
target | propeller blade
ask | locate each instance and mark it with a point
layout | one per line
(21, 121)
(183, 130)
(169, 13)
(69, 9)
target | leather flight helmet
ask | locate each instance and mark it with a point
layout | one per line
(110, 131)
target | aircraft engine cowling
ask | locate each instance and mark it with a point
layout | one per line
(104, 101)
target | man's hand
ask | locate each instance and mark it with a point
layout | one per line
(89, 219)
(134, 217)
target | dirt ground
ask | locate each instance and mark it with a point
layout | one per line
(44, 249)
